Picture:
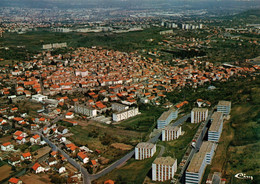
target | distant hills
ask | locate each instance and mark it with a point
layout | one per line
(197, 4)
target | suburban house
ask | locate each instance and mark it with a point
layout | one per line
(83, 157)
(36, 139)
(15, 181)
(26, 156)
(69, 115)
(14, 160)
(60, 169)
(7, 146)
(20, 140)
(38, 168)
(52, 161)
(109, 182)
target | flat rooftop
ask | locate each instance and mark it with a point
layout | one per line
(171, 128)
(216, 121)
(200, 109)
(165, 161)
(165, 115)
(197, 160)
(224, 103)
(145, 145)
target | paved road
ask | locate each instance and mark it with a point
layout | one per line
(161, 151)
(87, 177)
(130, 154)
(84, 171)
(181, 120)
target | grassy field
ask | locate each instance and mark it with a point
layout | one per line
(102, 136)
(132, 172)
(239, 146)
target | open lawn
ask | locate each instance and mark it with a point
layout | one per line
(5, 171)
(134, 171)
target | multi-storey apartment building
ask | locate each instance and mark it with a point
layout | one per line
(199, 115)
(144, 150)
(216, 127)
(119, 116)
(82, 109)
(199, 162)
(167, 117)
(163, 168)
(171, 132)
(119, 107)
(224, 107)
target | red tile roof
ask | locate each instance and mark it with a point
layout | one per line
(13, 180)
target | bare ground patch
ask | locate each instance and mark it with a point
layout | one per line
(122, 146)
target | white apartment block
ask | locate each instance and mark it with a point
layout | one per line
(82, 109)
(199, 115)
(171, 132)
(119, 116)
(39, 97)
(144, 150)
(216, 127)
(199, 162)
(163, 168)
(119, 107)
(224, 107)
(167, 117)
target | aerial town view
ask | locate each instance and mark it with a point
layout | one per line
(129, 91)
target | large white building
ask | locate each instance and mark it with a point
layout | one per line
(171, 132)
(144, 150)
(216, 127)
(163, 168)
(199, 162)
(82, 109)
(39, 97)
(119, 116)
(119, 107)
(167, 117)
(224, 107)
(199, 115)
